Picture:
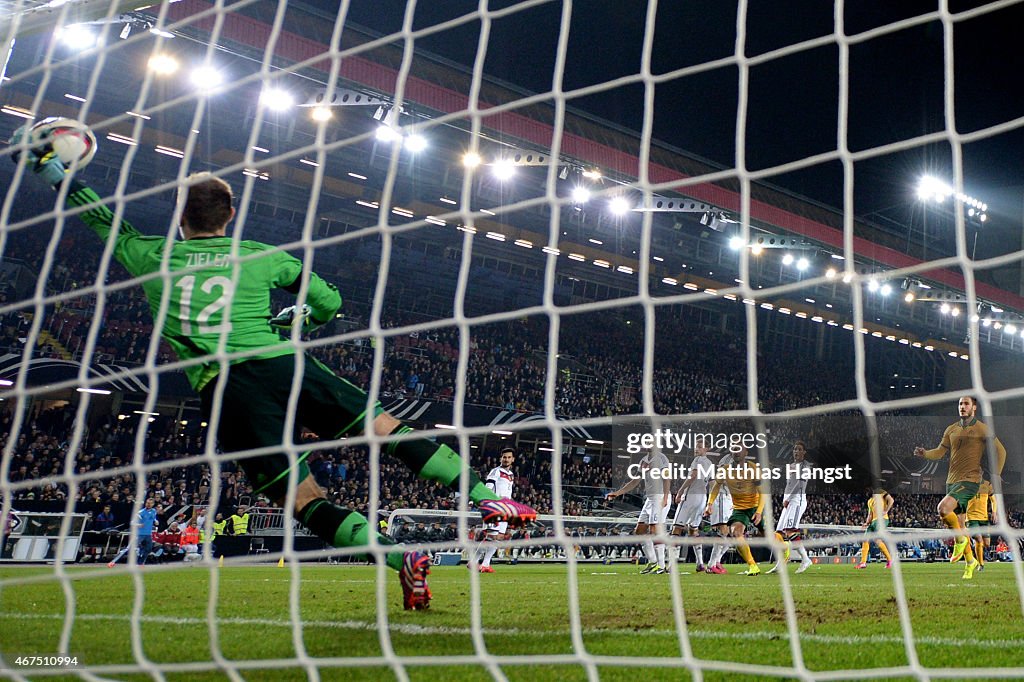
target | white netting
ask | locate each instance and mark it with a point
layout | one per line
(527, 310)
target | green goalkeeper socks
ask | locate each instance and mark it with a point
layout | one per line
(343, 528)
(439, 463)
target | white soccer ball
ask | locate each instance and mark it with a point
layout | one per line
(69, 138)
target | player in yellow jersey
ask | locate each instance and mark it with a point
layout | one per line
(743, 480)
(879, 505)
(978, 518)
(966, 441)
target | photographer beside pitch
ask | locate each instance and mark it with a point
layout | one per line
(257, 387)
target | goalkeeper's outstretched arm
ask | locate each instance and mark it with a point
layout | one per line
(47, 166)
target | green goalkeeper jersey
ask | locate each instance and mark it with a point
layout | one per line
(200, 284)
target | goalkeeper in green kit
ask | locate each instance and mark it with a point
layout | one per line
(201, 285)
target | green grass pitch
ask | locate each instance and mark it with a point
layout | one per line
(848, 620)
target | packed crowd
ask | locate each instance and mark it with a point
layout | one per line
(599, 374)
(41, 454)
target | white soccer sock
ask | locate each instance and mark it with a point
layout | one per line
(488, 553)
(802, 551)
(698, 551)
(659, 550)
(716, 554)
(649, 551)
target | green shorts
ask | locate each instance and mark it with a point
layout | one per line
(962, 492)
(746, 517)
(254, 406)
(873, 526)
(977, 524)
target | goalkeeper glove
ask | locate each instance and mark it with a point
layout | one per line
(292, 315)
(42, 160)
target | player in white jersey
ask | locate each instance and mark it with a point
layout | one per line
(658, 499)
(501, 480)
(691, 500)
(794, 502)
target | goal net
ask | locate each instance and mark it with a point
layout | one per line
(619, 241)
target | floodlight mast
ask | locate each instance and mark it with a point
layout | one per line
(931, 189)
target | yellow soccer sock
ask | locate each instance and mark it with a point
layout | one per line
(979, 551)
(744, 551)
(864, 549)
(952, 521)
(885, 550)
(778, 536)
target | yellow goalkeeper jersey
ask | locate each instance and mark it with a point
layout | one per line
(977, 508)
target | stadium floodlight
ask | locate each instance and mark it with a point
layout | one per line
(847, 278)
(471, 160)
(736, 243)
(503, 169)
(803, 264)
(619, 205)
(931, 188)
(77, 37)
(580, 194)
(873, 285)
(788, 259)
(885, 289)
(163, 64)
(321, 114)
(386, 133)
(954, 311)
(912, 288)
(1011, 329)
(277, 99)
(944, 308)
(830, 273)
(206, 78)
(415, 143)
(987, 322)
(756, 250)
(592, 174)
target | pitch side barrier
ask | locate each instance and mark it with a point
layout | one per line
(609, 538)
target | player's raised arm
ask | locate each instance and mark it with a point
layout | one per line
(624, 489)
(938, 452)
(131, 245)
(322, 297)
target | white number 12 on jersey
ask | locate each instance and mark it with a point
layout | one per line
(187, 285)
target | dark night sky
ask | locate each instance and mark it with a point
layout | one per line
(896, 84)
